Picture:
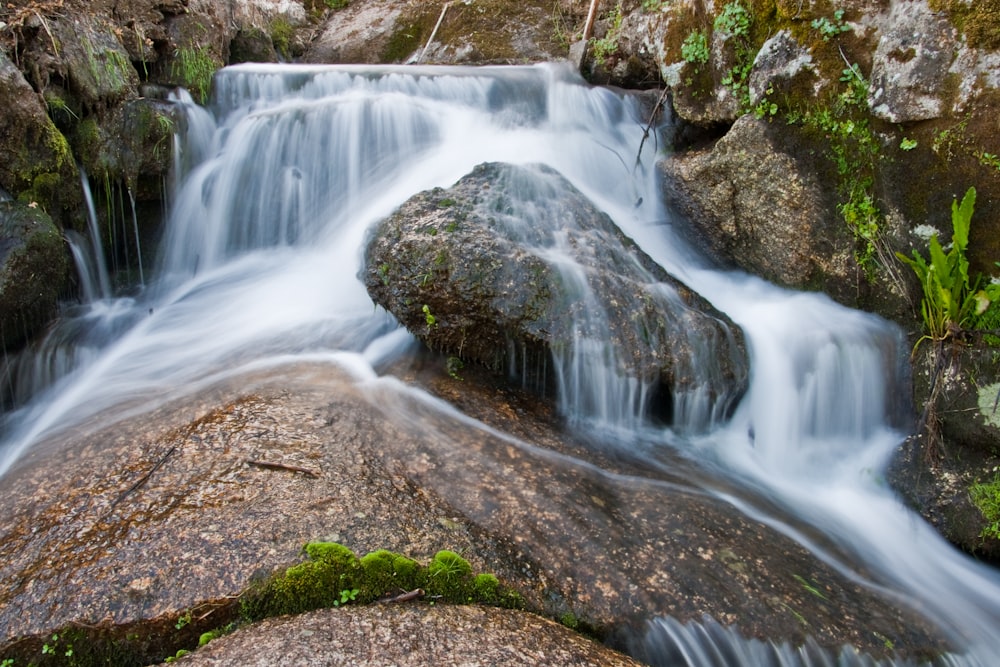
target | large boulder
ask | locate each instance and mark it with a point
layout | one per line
(411, 636)
(758, 206)
(514, 260)
(33, 271)
(142, 532)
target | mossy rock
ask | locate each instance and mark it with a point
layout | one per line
(97, 65)
(33, 271)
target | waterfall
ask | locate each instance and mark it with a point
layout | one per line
(276, 186)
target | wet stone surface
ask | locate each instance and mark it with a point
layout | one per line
(142, 520)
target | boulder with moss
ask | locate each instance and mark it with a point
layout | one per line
(33, 271)
(484, 271)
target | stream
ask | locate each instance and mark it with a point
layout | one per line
(279, 180)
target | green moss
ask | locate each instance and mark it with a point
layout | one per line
(407, 37)
(979, 21)
(335, 576)
(986, 497)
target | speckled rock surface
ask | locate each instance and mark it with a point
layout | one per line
(408, 635)
(133, 524)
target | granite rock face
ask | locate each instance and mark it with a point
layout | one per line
(513, 263)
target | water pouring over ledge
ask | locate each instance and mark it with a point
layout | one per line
(278, 185)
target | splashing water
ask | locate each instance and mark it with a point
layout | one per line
(276, 187)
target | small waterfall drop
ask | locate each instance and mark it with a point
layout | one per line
(276, 187)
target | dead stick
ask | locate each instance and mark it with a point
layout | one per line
(434, 32)
(591, 16)
(272, 465)
(145, 478)
(406, 597)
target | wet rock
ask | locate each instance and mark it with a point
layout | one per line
(781, 66)
(33, 271)
(37, 164)
(911, 64)
(414, 635)
(514, 264)
(936, 468)
(125, 525)
(756, 206)
(96, 65)
(384, 31)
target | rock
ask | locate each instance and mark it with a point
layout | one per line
(96, 64)
(754, 205)
(781, 66)
(383, 31)
(478, 271)
(414, 635)
(911, 64)
(132, 143)
(935, 470)
(33, 271)
(37, 164)
(124, 525)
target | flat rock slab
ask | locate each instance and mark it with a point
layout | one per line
(135, 523)
(400, 635)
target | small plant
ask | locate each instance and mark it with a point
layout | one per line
(193, 69)
(830, 29)
(988, 159)
(428, 316)
(734, 20)
(986, 497)
(183, 621)
(694, 50)
(604, 47)
(454, 367)
(907, 144)
(346, 595)
(7, 662)
(335, 4)
(952, 300)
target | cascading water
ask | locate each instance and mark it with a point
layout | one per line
(276, 188)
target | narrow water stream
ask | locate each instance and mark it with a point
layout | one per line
(276, 187)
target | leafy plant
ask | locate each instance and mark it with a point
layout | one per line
(855, 150)
(733, 20)
(604, 47)
(830, 29)
(335, 4)
(694, 50)
(193, 69)
(907, 144)
(346, 595)
(654, 5)
(428, 316)
(951, 299)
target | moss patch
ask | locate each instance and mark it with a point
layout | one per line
(334, 575)
(979, 21)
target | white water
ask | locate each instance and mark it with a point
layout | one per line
(276, 189)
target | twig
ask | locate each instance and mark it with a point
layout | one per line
(849, 65)
(406, 597)
(145, 478)
(272, 465)
(591, 16)
(649, 125)
(433, 32)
